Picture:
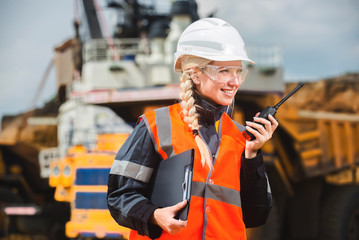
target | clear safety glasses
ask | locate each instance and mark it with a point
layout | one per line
(223, 74)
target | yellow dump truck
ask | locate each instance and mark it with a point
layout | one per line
(57, 189)
(313, 168)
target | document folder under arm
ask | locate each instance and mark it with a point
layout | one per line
(172, 182)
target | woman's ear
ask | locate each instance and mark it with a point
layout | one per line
(195, 76)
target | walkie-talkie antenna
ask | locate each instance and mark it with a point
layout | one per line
(288, 96)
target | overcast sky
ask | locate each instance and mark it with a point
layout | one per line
(319, 39)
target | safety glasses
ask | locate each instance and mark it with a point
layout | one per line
(224, 74)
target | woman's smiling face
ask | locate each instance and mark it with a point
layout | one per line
(221, 92)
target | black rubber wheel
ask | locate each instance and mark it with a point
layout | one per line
(6, 196)
(271, 230)
(340, 214)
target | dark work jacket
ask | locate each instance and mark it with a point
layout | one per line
(128, 198)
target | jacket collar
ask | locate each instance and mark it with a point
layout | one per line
(209, 112)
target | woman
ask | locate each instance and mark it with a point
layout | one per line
(229, 190)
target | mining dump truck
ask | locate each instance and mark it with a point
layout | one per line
(55, 161)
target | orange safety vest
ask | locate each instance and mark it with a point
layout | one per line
(215, 209)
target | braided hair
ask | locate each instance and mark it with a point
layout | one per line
(189, 108)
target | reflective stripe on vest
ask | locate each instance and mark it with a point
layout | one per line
(164, 132)
(240, 127)
(131, 170)
(216, 192)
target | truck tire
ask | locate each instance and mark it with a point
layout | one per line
(6, 196)
(340, 215)
(271, 230)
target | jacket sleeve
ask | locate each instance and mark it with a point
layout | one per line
(129, 183)
(255, 191)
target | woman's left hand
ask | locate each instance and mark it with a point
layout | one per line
(263, 134)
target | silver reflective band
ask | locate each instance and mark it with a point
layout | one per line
(214, 23)
(131, 170)
(217, 192)
(239, 126)
(164, 129)
(268, 185)
(187, 45)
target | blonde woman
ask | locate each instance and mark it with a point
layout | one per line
(230, 190)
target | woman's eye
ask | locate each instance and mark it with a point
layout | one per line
(223, 70)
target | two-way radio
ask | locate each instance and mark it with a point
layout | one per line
(270, 110)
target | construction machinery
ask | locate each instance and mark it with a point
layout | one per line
(55, 161)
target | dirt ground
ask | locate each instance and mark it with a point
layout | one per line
(339, 94)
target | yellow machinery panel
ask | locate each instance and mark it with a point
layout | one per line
(98, 223)
(81, 179)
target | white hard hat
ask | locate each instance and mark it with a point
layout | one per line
(213, 39)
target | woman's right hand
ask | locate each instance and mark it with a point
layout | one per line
(164, 217)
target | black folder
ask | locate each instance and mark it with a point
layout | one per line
(172, 182)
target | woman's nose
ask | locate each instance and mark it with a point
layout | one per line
(235, 80)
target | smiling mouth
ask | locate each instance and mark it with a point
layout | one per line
(228, 91)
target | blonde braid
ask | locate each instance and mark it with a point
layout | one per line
(191, 116)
